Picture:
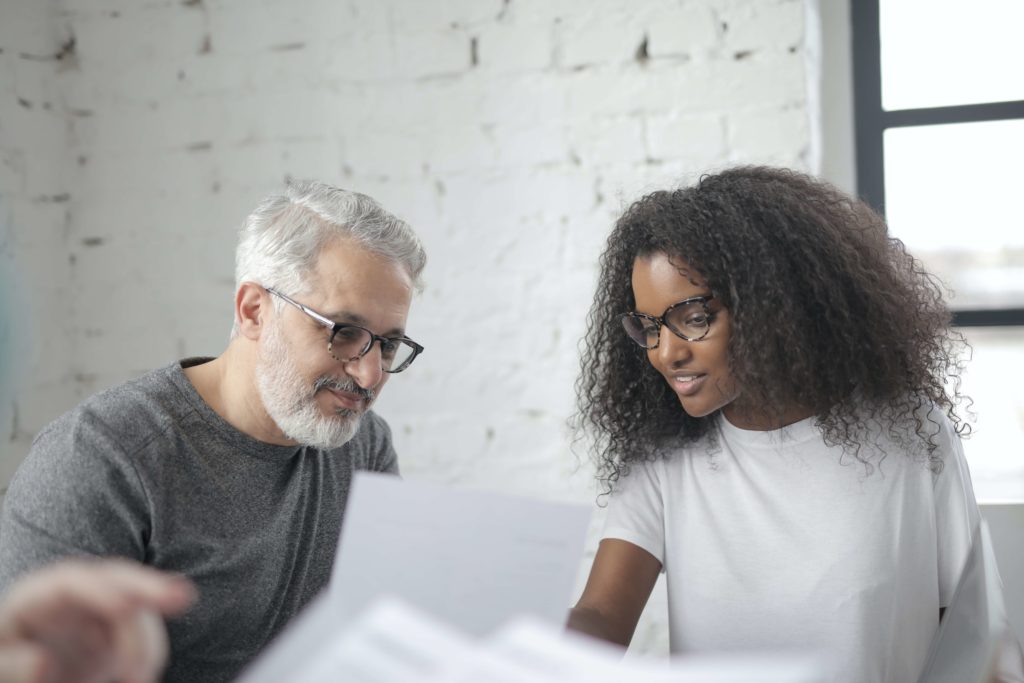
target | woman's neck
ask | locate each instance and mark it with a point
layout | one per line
(755, 419)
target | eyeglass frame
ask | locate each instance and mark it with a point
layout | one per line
(336, 327)
(660, 321)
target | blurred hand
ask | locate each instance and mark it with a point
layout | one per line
(1010, 661)
(82, 621)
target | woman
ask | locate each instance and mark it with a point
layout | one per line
(765, 378)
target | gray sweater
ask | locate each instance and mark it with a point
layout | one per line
(148, 471)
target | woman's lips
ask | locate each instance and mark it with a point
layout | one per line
(687, 384)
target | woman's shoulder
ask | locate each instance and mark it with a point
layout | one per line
(671, 453)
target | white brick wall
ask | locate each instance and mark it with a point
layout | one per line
(36, 370)
(509, 132)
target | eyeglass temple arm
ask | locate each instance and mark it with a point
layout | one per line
(308, 311)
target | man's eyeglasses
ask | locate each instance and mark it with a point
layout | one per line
(689, 319)
(352, 342)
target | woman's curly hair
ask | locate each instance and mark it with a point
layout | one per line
(828, 313)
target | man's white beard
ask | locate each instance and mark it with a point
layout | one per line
(292, 404)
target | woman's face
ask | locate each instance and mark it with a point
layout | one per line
(697, 371)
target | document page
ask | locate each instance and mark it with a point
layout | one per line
(393, 642)
(389, 643)
(569, 657)
(470, 559)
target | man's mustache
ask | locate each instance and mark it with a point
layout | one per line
(349, 386)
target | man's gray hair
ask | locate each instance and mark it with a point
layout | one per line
(280, 241)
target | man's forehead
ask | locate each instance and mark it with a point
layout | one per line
(346, 262)
(355, 286)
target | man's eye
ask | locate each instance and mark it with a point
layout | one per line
(348, 334)
(389, 347)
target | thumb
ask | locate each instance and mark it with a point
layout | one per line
(140, 648)
(22, 663)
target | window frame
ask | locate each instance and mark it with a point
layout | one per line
(871, 121)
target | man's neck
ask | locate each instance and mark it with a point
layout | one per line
(228, 385)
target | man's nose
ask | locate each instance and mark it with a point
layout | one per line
(366, 370)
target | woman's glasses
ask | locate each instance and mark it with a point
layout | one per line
(689, 319)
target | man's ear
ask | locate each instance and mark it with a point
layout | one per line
(251, 309)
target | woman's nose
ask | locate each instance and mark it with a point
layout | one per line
(672, 349)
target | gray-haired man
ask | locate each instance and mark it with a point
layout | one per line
(234, 471)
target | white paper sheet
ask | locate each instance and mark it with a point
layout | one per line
(392, 642)
(468, 558)
(567, 657)
(389, 643)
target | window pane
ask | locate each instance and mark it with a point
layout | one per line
(946, 52)
(953, 194)
(995, 449)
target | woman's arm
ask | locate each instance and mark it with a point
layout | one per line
(619, 585)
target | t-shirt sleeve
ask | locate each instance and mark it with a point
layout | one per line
(76, 494)
(382, 457)
(956, 511)
(636, 509)
(957, 516)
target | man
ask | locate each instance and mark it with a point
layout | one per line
(234, 471)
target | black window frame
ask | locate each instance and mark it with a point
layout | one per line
(871, 121)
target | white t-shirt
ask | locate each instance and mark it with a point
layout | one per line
(777, 541)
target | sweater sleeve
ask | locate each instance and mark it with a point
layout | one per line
(76, 494)
(381, 456)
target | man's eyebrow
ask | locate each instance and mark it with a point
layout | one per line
(349, 317)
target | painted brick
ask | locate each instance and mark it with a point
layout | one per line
(629, 90)
(504, 48)
(433, 53)
(277, 27)
(536, 145)
(29, 28)
(566, 11)
(595, 39)
(759, 81)
(394, 153)
(32, 85)
(757, 134)
(30, 128)
(364, 57)
(12, 171)
(681, 30)
(763, 26)
(443, 14)
(137, 35)
(523, 100)
(699, 139)
(611, 140)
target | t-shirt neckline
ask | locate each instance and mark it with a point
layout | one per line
(800, 431)
(221, 427)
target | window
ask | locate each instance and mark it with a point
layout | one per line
(939, 122)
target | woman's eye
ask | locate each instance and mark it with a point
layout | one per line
(697, 320)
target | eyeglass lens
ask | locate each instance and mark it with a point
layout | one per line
(349, 343)
(689, 321)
